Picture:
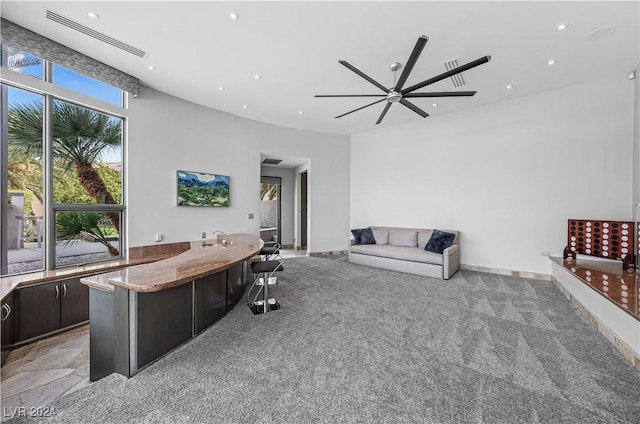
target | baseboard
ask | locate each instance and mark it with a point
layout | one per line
(329, 253)
(509, 272)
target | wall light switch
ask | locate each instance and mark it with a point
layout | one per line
(250, 216)
(158, 237)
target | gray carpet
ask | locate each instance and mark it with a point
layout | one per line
(353, 344)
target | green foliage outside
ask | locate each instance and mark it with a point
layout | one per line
(68, 190)
(74, 226)
(268, 191)
(80, 137)
(203, 196)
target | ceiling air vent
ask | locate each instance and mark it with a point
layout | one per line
(271, 161)
(63, 20)
(457, 79)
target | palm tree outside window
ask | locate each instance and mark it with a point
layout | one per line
(85, 157)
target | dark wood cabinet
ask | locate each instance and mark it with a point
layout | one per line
(49, 307)
(38, 310)
(164, 321)
(8, 325)
(74, 302)
(235, 285)
(210, 300)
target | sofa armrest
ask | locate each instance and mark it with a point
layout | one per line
(451, 261)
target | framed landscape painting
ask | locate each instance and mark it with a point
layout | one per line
(202, 189)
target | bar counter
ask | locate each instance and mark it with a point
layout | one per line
(139, 314)
(204, 258)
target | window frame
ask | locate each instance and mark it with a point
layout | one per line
(51, 93)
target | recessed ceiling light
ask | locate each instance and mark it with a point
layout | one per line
(256, 76)
(245, 106)
(562, 26)
(435, 105)
(551, 62)
(631, 75)
(233, 16)
(509, 86)
(93, 15)
(300, 112)
(221, 88)
(151, 68)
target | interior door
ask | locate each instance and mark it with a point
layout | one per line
(303, 210)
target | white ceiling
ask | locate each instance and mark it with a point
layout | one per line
(295, 47)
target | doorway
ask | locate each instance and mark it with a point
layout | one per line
(270, 209)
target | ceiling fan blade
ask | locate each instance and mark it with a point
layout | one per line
(447, 74)
(360, 108)
(350, 95)
(384, 112)
(414, 108)
(415, 54)
(442, 94)
(363, 75)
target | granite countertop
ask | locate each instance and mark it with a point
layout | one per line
(202, 259)
(10, 283)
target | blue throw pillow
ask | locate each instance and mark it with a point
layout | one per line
(363, 236)
(439, 241)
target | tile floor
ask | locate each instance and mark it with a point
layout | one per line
(36, 374)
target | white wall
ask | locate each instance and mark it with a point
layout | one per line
(508, 175)
(286, 201)
(166, 134)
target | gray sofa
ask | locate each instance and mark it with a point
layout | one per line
(402, 249)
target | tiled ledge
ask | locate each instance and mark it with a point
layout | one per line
(624, 349)
(509, 272)
(618, 326)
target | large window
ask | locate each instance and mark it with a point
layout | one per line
(62, 168)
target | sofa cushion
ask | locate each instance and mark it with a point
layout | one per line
(363, 236)
(423, 238)
(403, 238)
(381, 236)
(439, 241)
(399, 252)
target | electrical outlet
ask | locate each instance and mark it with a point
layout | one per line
(204, 234)
(158, 237)
(250, 216)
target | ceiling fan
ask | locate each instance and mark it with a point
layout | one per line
(399, 94)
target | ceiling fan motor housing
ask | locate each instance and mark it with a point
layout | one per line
(394, 96)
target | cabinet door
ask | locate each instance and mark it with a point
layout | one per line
(210, 300)
(234, 285)
(39, 310)
(7, 326)
(74, 302)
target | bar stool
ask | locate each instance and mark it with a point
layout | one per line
(270, 251)
(263, 270)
